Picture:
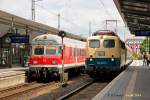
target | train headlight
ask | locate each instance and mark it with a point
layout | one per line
(35, 62)
(53, 62)
(91, 59)
(112, 59)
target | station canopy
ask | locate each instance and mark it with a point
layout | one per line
(136, 13)
(22, 23)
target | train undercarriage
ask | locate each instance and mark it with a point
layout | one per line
(44, 74)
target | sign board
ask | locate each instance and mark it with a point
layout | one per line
(142, 33)
(19, 38)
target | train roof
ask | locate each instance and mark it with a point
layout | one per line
(102, 37)
(104, 32)
(49, 39)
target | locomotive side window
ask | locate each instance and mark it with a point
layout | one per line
(94, 43)
(70, 51)
(109, 43)
(75, 51)
(39, 50)
(50, 50)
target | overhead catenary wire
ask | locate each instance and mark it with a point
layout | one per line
(107, 13)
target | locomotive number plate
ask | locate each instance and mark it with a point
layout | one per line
(100, 53)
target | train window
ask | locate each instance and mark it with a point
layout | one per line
(78, 52)
(39, 50)
(82, 52)
(94, 43)
(60, 50)
(109, 43)
(70, 51)
(75, 51)
(50, 50)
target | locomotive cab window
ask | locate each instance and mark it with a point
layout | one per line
(94, 43)
(39, 50)
(51, 50)
(110, 43)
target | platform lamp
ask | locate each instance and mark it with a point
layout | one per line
(62, 34)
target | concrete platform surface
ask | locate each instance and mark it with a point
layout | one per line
(131, 84)
(13, 69)
(12, 76)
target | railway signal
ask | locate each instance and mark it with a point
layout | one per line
(62, 34)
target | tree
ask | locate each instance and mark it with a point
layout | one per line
(145, 45)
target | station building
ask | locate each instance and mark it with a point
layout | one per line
(16, 34)
(14, 41)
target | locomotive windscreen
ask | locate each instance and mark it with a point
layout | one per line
(47, 50)
(39, 50)
(94, 43)
(110, 43)
(51, 50)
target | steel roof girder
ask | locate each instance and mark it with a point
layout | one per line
(135, 12)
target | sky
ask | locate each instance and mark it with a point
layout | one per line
(75, 15)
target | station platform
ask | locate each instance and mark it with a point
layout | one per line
(131, 84)
(13, 69)
(12, 76)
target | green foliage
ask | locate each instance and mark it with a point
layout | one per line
(135, 56)
(145, 45)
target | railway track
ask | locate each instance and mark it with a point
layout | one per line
(87, 93)
(24, 91)
(31, 90)
(14, 87)
(76, 90)
(61, 92)
(81, 88)
(87, 90)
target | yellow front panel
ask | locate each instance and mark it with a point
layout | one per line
(98, 52)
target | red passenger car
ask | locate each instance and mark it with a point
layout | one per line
(46, 57)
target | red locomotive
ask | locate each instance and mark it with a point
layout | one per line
(46, 56)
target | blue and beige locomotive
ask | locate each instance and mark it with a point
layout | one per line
(105, 52)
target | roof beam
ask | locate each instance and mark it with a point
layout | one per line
(132, 4)
(135, 12)
(138, 21)
(137, 17)
(138, 25)
(137, 1)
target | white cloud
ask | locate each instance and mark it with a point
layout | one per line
(75, 14)
(18, 7)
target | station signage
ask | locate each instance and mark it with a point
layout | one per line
(142, 33)
(19, 38)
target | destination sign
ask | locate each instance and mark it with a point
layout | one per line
(19, 38)
(44, 41)
(142, 33)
